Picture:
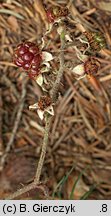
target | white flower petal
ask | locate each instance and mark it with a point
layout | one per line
(50, 110)
(40, 114)
(79, 69)
(34, 106)
(46, 56)
(40, 80)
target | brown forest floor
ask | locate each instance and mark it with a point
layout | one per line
(81, 129)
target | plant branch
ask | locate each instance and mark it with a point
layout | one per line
(61, 69)
(21, 191)
(28, 188)
(44, 148)
(48, 119)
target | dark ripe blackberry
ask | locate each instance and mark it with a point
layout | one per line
(33, 73)
(29, 44)
(21, 49)
(28, 56)
(36, 60)
(26, 66)
(17, 62)
(34, 50)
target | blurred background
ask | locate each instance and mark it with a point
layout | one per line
(80, 136)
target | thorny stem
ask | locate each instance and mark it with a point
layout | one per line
(48, 119)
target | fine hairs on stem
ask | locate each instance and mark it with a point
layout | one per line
(48, 117)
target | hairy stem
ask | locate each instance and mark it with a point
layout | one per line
(61, 69)
(44, 148)
(54, 92)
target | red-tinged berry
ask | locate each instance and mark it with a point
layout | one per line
(22, 50)
(28, 56)
(29, 44)
(34, 49)
(36, 60)
(17, 62)
(33, 73)
(20, 45)
(26, 66)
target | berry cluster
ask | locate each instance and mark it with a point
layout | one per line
(28, 56)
